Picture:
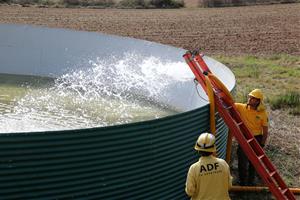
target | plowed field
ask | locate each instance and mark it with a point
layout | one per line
(229, 31)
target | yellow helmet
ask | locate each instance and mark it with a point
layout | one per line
(206, 142)
(257, 93)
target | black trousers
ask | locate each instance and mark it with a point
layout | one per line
(245, 168)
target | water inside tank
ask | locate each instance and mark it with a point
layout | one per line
(102, 95)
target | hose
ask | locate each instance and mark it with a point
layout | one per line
(257, 189)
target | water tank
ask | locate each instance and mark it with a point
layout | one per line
(141, 160)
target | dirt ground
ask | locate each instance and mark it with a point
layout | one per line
(255, 30)
(227, 31)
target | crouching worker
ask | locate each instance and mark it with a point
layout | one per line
(209, 178)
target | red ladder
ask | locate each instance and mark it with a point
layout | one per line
(227, 110)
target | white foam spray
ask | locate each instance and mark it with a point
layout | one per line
(108, 93)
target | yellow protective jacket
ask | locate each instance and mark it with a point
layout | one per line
(209, 179)
(254, 120)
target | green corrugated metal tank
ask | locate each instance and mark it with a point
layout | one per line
(142, 160)
(145, 160)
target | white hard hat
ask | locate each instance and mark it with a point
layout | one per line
(206, 142)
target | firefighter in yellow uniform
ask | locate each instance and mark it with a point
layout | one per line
(209, 178)
(255, 118)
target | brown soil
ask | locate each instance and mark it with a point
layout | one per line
(256, 30)
(228, 31)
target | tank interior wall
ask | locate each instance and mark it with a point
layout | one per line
(30, 50)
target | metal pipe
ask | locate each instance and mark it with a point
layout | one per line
(210, 94)
(237, 188)
(229, 147)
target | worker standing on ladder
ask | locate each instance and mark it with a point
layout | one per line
(256, 119)
(209, 178)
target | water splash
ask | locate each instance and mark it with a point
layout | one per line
(108, 93)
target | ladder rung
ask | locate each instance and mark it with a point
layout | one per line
(272, 173)
(260, 157)
(228, 108)
(239, 123)
(250, 140)
(285, 191)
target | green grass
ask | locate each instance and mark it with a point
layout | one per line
(289, 100)
(278, 77)
(284, 162)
